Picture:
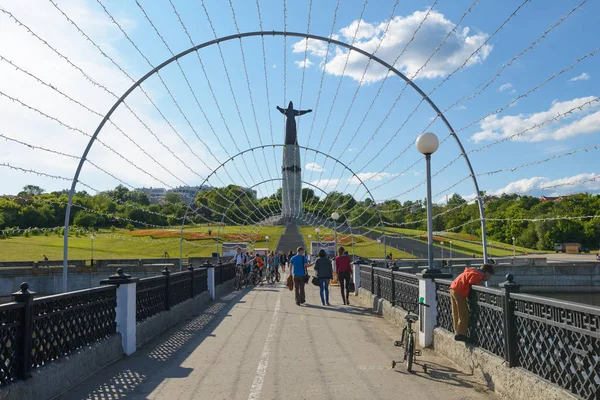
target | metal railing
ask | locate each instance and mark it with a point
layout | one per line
(391, 285)
(35, 332)
(557, 340)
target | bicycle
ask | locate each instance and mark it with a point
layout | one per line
(408, 337)
(239, 278)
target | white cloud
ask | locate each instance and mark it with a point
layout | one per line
(369, 176)
(459, 46)
(274, 65)
(314, 167)
(17, 45)
(326, 183)
(583, 77)
(579, 122)
(304, 63)
(505, 87)
(571, 184)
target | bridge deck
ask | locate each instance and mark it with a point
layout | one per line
(259, 344)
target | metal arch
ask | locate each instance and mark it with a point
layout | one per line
(282, 145)
(275, 213)
(272, 180)
(240, 36)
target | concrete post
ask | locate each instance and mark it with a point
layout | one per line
(428, 315)
(126, 308)
(210, 270)
(356, 275)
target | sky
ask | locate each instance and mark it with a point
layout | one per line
(516, 80)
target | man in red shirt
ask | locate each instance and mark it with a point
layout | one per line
(459, 291)
(344, 271)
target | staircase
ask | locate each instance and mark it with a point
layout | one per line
(291, 239)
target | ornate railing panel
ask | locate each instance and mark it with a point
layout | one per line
(486, 319)
(10, 333)
(150, 297)
(180, 288)
(406, 289)
(66, 322)
(229, 272)
(365, 277)
(383, 283)
(200, 281)
(559, 341)
(444, 307)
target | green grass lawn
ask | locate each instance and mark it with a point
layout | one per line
(363, 246)
(134, 244)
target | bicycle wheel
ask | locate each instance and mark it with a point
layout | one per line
(410, 353)
(277, 276)
(237, 284)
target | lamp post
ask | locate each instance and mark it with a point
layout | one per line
(310, 241)
(317, 230)
(442, 243)
(379, 248)
(92, 260)
(267, 238)
(427, 143)
(335, 216)
(451, 249)
(514, 249)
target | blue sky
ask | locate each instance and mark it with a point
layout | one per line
(333, 127)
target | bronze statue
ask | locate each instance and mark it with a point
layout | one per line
(290, 122)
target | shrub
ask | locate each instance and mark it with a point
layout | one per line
(130, 227)
(26, 233)
(113, 229)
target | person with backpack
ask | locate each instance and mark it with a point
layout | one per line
(459, 292)
(324, 271)
(299, 267)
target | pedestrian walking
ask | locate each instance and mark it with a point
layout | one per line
(299, 266)
(324, 271)
(459, 292)
(344, 271)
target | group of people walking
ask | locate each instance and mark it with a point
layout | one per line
(323, 267)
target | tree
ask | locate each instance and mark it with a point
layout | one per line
(33, 190)
(85, 219)
(172, 198)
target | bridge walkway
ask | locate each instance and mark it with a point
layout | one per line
(259, 344)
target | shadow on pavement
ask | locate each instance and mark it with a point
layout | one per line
(444, 374)
(155, 361)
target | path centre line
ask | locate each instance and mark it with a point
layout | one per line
(261, 371)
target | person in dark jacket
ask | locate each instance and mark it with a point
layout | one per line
(324, 271)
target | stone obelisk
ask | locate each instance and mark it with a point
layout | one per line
(291, 186)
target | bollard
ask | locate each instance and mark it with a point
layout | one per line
(356, 275)
(210, 272)
(427, 295)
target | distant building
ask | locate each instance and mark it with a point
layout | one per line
(188, 193)
(553, 198)
(156, 195)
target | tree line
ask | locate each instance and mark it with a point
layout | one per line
(124, 208)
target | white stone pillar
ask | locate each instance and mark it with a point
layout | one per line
(126, 308)
(428, 315)
(210, 270)
(356, 275)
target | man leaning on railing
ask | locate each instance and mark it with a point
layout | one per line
(459, 292)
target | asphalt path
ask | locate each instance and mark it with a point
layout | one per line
(258, 344)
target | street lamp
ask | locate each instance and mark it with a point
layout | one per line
(514, 249)
(267, 237)
(442, 251)
(310, 241)
(379, 248)
(92, 238)
(317, 230)
(335, 216)
(427, 143)
(451, 249)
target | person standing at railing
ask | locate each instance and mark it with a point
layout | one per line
(324, 272)
(344, 272)
(459, 292)
(299, 266)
